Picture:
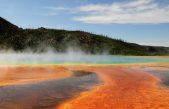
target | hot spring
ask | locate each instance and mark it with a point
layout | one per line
(74, 58)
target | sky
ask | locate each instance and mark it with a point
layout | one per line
(138, 21)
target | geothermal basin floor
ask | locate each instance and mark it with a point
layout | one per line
(124, 88)
(100, 87)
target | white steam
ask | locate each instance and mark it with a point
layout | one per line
(50, 57)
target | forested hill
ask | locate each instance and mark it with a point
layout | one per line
(41, 39)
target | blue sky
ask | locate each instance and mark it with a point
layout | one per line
(139, 21)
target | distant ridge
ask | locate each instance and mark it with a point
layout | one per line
(41, 39)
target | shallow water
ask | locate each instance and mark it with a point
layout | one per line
(45, 95)
(162, 74)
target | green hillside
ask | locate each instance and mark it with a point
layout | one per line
(39, 40)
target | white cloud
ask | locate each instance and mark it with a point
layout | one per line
(58, 8)
(156, 43)
(135, 11)
(54, 10)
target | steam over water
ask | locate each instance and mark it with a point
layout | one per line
(73, 58)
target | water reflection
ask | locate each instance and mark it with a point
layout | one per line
(45, 95)
(163, 74)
